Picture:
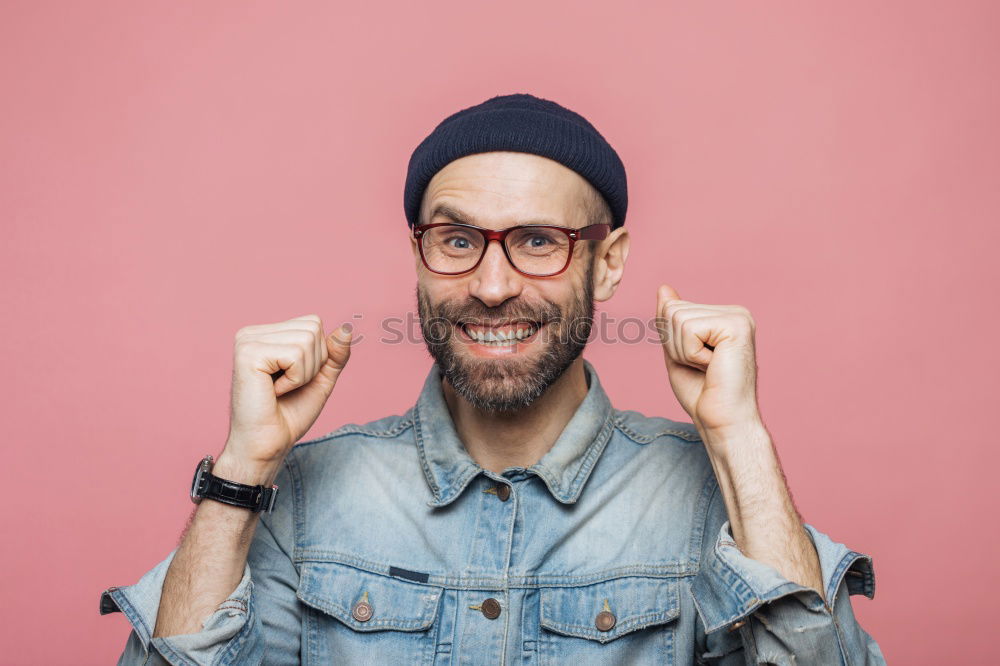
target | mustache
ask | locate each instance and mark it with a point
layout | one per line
(475, 311)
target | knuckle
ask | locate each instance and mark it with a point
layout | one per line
(313, 322)
(249, 331)
(245, 350)
(310, 318)
(304, 338)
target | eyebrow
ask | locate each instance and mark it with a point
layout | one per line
(455, 215)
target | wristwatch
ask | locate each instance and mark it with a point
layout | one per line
(206, 484)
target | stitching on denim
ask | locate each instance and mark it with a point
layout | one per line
(620, 418)
(713, 483)
(418, 439)
(342, 614)
(703, 508)
(701, 612)
(457, 487)
(593, 453)
(430, 596)
(622, 628)
(174, 656)
(572, 492)
(122, 600)
(845, 563)
(404, 422)
(228, 655)
(298, 503)
(265, 519)
(668, 571)
(625, 625)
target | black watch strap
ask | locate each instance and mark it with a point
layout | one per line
(207, 485)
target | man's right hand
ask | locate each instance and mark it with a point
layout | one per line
(283, 374)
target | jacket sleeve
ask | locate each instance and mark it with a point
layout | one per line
(259, 622)
(750, 614)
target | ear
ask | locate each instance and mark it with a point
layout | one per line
(416, 251)
(609, 263)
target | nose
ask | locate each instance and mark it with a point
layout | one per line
(495, 280)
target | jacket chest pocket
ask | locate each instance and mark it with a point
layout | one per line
(356, 616)
(625, 620)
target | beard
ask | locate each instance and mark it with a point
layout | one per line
(509, 384)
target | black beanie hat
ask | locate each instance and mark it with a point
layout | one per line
(521, 123)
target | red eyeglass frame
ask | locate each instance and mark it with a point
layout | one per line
(590, 232)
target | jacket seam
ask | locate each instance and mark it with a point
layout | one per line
(237, 642)
(400, 427)
(686, 436)
(682, 570)
(418, 440)
(571, 492)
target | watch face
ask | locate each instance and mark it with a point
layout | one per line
(199, 475)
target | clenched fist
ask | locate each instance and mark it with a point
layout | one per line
(283, 374)
(712, 362)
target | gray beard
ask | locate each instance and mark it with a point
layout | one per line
(497, 386)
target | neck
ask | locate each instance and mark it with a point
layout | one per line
(520, 439)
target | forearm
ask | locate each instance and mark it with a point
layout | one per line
(211, 559)
(762, 516)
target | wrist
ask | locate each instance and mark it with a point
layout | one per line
(239, 470)
(749, 439)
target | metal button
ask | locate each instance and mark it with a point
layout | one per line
(605, 621)
(362, 611)
(491, 608)
(736, 625)
(503, 492)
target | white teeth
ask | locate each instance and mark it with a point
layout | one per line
(499, 338)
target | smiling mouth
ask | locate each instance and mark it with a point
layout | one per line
(500, 335)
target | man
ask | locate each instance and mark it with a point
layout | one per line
(512, 515)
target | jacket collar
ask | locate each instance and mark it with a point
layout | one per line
(448, 467)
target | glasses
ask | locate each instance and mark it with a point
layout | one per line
(535, 250)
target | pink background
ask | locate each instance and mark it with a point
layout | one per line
(173, 171)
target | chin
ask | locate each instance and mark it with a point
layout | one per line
(503, 384)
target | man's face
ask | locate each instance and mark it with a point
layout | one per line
(553, 314)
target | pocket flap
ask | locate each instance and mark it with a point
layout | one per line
(335, 588)
(633, 603)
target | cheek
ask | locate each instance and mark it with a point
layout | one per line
(439, 290)
(559, 293)
(573, 282)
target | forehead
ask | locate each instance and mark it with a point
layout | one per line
(501, 189)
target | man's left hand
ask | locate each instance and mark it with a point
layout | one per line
(711, 360)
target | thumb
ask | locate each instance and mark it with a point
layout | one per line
(338, 347)
(666, 293)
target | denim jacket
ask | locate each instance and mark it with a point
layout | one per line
(389, 544)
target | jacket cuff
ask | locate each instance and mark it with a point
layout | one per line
(730, 586)
(140, 603)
